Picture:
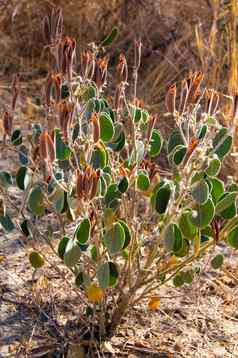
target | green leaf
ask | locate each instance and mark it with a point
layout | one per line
(203, 215)
(23, 155)
(23, 178)
(200, 191)
(174, 140)
(36, 260)
(72, 253)
(111, 194)
(178, 280)
(232, 238)
(94, 253)
(25, 228)
(99, 157)
(83, 231)
(202, 131)
(123, 185)
(57, 198)
(114, 239)
(36, 201)
(106, 127)
(118, 144)
(217, 261)
(217, 189)
(107, 275)
(222, 143)
(185, 225)
(16, 138)
(62, 246)
(127, 232)
(143, 181)
(7, 223)
(63, 152)
(162, 198)
(225, 202)
(155, 143)
(178, 154)
(214, 167)
(110, 37)
(188, 276)
(173, 239)
(5, 179)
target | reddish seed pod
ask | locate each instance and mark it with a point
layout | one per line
(96, 128)
(43, 145)
(171, 98)
(79, 184)
(7, 123)
(50, 148)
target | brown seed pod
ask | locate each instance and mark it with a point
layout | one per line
(171, 98)
(43, 146)
(50, 148)
(95, 179)
(7, 123)
(79, 184)
(96, 128)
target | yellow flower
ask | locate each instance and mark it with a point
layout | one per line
(95, 294)
(154, 303)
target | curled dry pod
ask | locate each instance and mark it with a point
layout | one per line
(171, 98)
(66, 110)
(49, 83)
(96, 176)
(211, 101)
(122, 68)
(194, 82)
(7, 123)
(96, 128)
(15, 90)
(57, 80)
(79, 184)
(101, 72)
(43, 146)
(88, 181)
(50, 148)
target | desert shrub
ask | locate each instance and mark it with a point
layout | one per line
(120, 223)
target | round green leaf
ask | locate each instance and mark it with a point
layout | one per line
(225, 202)
(62, 246)
(185, 225)
(106, 127)
(203, 215)
(214, 167)
(174, 140)
(143, 181)
(72, 253)
(123, 185)
(200, 191)
(156, 143)
(217, 261)
(232, 238)
(99, 157)
(114, 239)
(127, 232)
(36, 260)
(173, 238)
(5, 179)
(36, 201)
(82, 233)
(7, 223)
(217, 188)
(23, 178)
(16, 138)
(162, 198)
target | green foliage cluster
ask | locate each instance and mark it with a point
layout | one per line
(119, 222)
